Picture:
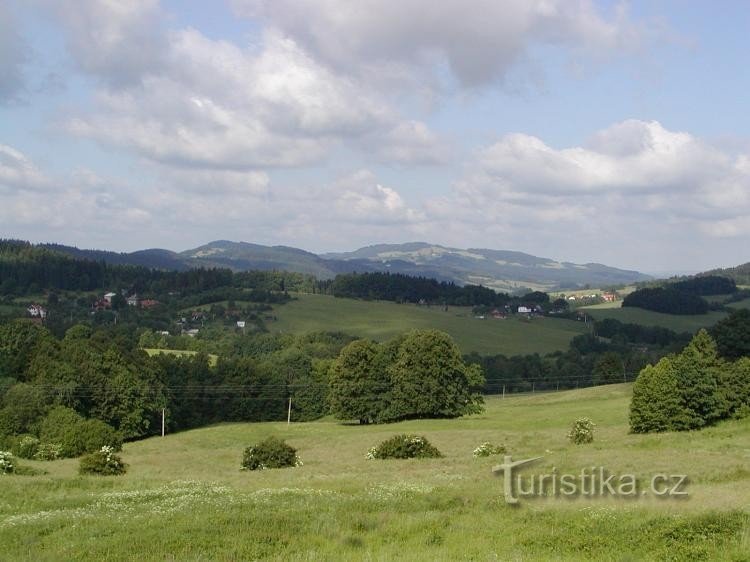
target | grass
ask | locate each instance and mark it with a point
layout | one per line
(212, 359)
(678, 323)
(740, 304)
(383, 320)
(184, 497)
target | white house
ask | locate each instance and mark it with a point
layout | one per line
(109, 296)
(524, 310)
(36, 311)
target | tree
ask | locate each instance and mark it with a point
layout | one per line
(732, 335)
(430, 379)
(698, 369)
(358, 386)
(734, 385)
(656, 405)
(681, 392)
(608, 369)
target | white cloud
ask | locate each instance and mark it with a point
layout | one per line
(216, 105)
(478, 41)
(19, 173)
(118, 41)
(636, 192)
(633, 156)
(409, 142)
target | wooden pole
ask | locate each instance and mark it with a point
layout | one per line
(163, 420)
(289, 412)
(503, 392)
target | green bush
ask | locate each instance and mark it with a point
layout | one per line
(25, 446)
(404, 447)
(103, 462)
(48, 452)
(487, 449)
(270, 453)
(77, 435)
(7, 465)
(582, 431)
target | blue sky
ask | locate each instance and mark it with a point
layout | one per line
(583, 131)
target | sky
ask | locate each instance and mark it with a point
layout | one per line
(585, 131)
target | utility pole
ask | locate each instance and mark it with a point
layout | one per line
(289, 412)
(503, 392)
(163, 419)
(532, 388)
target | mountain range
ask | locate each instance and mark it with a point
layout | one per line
(499, 269)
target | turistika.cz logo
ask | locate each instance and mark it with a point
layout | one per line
(593, 481)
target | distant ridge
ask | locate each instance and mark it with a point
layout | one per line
(503, 270)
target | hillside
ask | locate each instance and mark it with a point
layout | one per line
(380, 321)
(740, 273)
(185, 498)
(498, 269)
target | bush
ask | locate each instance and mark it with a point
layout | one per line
(48, 452)
(487, 449)
(270, 453)
(404, 447)
(103, 462)
(7, 465)
(77, 435)
(25, 446)
(582, 431)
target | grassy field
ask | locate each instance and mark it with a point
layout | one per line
(184, 497)
(740, 304)
(212, 359)
(678, 323)
(382, 320)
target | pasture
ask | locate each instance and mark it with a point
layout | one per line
(184, 497)
(380, 320)
(678, 323)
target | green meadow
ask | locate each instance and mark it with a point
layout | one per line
(184, 497)
(381, 320)
(678, 323)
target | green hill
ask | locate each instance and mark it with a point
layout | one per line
(184, 497)
(381, 320)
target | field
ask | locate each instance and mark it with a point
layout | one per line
(184, 497)
(212, 359)
(382, 320)
(678, 323)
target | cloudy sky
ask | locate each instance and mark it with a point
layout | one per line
(572, 129)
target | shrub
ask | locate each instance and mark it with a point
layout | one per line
(404, 447)
(487, 449)
(103, 462)
(48, 452)
(77, 435)
(25, 446)
(742, 412)
(582, 431)
(7, 465)
(270, 453)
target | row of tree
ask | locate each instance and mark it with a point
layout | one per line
(417, 375)
(690, 390)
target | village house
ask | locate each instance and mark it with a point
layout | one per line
(133, 300)
(37, 311)
(108, 298)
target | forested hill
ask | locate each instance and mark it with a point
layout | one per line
(499, 269)
(740, 273)
(26, 269)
